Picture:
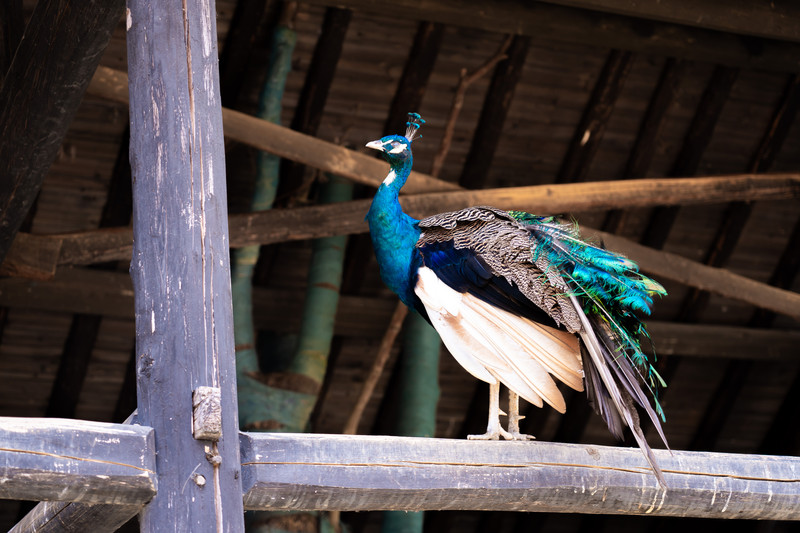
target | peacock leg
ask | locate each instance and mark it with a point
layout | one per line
(493, 429)
(514, 417)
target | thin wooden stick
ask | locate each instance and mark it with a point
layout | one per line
(458, 102)
(395, 324)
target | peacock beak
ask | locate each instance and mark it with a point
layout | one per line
(375, 145)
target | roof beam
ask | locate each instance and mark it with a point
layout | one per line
(83, 291)
(592, 125)
(281, 225)
(697, 138)
(770, 20)
(566, 24)
(665, 93)
(44, 85)
(340, 472)
(319, 78)
(496, 104)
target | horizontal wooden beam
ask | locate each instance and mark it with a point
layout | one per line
(607, 30)
(110, 294)
(732, 342)
(70, 517)
(284, 142)
(358, 473)
(281, 225)
(76, 460)
(770, 20)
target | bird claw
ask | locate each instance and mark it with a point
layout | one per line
(492, 435)
(513, 429)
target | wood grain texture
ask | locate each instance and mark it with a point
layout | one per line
(61, 517)
(327, 472)
(75, 460)
(44, 85)
(180, 266)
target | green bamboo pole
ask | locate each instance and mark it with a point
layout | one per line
(322, 296)
(261, 406)
(419, 395)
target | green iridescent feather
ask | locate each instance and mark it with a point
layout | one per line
(608, 285)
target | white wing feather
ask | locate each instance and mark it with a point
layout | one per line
(493, 344)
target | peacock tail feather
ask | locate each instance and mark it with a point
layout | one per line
(608, 285)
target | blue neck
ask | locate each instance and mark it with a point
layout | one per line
(394, 234)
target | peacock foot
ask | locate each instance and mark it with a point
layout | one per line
(492, 434)
(514, 417)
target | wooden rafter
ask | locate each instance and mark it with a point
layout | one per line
(664, 95)
(80, 342)
(694, 145)
(608, 30)
(319, 78)
(589, 132)
(110, 294)
(495, 107)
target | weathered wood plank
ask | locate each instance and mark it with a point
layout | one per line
(62, 517)
(337, 472)
(75, 460)
(44, 85)
(565, 24)
(180, 266)
(694, 145)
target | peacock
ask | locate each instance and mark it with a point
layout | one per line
(522, 300)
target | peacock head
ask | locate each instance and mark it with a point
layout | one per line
(396, 149)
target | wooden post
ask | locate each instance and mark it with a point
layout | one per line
(180, 265)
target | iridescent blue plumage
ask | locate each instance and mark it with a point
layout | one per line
(521, 299)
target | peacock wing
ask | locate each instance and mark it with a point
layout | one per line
(515, 321)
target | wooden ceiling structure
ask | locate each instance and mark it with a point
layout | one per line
(592, 107)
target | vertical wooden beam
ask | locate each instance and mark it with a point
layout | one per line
(180, 266)
(592, 125)
(694, 145)
(52, 67)
(493, 114)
